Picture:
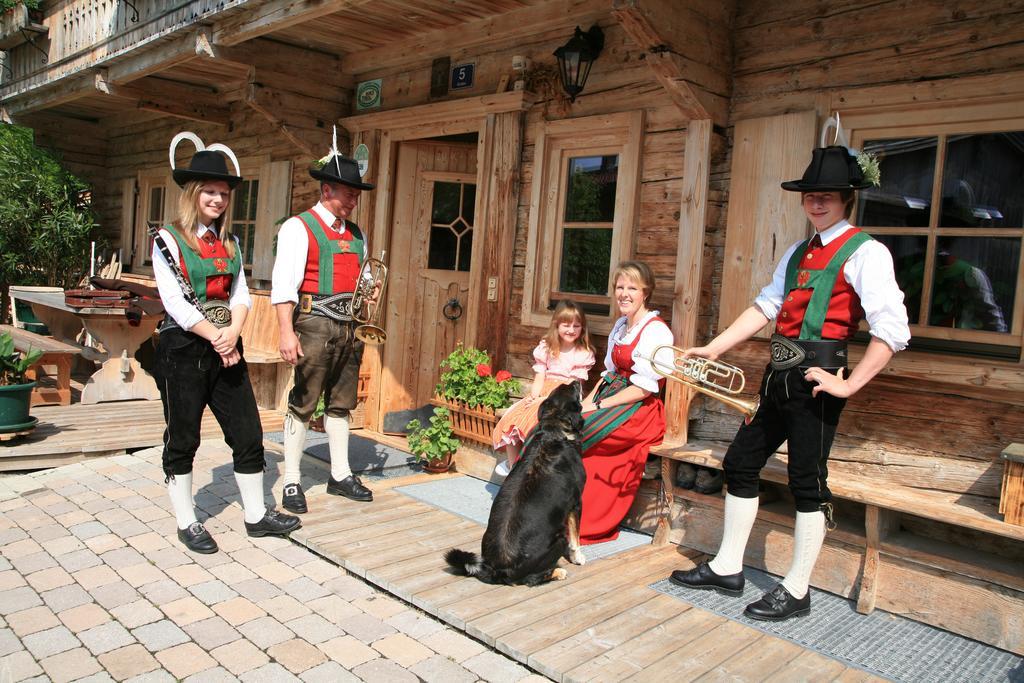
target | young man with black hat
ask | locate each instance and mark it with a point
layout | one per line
(821, 290)
(319, 256)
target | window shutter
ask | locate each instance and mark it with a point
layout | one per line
(171, 194)
(127, 219)
(273, 203)
(763, 219)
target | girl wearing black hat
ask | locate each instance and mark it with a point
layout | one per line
(821, 290)
(198, 270)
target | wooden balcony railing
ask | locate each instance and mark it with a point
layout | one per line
(83, 33)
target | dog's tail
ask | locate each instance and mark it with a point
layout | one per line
(464, 563)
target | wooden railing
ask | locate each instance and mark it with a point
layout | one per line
(81, 33)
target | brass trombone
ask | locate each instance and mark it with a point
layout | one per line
(365, 309)
(720, 381)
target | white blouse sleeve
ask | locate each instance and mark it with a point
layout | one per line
(173, 299)
(870, 272)
(655, 334)
(609, 366)
(239, 287)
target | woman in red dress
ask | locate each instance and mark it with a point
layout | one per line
(624, 415)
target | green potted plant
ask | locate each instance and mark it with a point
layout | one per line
(433, 445)
(316, 423)
(15, 392)
(474, 394)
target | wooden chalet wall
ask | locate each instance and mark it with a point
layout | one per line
(621, 81)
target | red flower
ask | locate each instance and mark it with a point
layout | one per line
(502, 376)
(483, 370)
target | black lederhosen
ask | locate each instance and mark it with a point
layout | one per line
(191, 376)
(788, 411)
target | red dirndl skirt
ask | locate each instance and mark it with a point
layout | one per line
(615, 466)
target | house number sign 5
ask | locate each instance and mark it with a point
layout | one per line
(462, 76)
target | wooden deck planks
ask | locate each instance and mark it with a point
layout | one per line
(67, 434)
(602, 623)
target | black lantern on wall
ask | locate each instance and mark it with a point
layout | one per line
(576, 57)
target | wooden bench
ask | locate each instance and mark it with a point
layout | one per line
(876, 561)
(55, 353)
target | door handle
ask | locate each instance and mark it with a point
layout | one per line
(452, 310)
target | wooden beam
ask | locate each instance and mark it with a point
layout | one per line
(252, 100)
(477, 33)
(667, 66)
(58, 93)
(689, 258)
(274, 16)
(194, 44)
(878, 524)
(190, 102)
(440, 112)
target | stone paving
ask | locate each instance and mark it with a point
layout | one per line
(96, 587)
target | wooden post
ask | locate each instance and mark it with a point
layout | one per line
(500, 156)
(689, 256)
(878, 524)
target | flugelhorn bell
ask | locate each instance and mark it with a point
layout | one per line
(373, 275)
(721, 381)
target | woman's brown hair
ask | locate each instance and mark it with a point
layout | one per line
(640, 273)
(567, 311)
(188, 218)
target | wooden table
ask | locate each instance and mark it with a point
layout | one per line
(120, 378)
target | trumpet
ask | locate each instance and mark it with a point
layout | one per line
(721, 381)
(365, 308)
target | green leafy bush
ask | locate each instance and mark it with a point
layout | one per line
(45, 231)
(434, 442)
(13, 364)
(467, 376)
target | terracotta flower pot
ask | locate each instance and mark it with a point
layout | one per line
(317, 424)
(438, 466)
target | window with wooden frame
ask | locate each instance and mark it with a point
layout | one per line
(244, 201)
(156, 207)
(950, 209)
(582, 214)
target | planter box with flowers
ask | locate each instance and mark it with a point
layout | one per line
(474, 394)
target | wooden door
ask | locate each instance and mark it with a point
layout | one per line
(430, 264)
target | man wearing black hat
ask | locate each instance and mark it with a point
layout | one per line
(821, 290)
(319, 256)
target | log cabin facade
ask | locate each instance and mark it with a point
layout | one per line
(495, 199)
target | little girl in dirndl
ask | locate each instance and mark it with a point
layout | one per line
(564, 355)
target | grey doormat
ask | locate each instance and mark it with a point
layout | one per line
(471, 498)
(884, 644)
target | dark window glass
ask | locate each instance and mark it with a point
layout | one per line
(586, 258)
(465, 251)
(908, 255)
(590, 195)
(156, 204)
(469, 203)
(443, 245)
(975, 283)
(981, 181)
(447, 201)
(904, 197)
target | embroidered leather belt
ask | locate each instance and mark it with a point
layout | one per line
(334, 306)
(790, 353)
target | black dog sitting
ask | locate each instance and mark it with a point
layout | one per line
(535, 518)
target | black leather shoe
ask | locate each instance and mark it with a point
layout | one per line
(274, 523)
(779, 605)
(708, 481)
(197, 539)
(704, 578)
(685, 475)
(350, 487)
(293, 499)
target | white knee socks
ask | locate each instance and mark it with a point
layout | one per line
(294, 443)
(250, 486)
(179, 488)
(337, 438)
(739, 519)
(808, 535)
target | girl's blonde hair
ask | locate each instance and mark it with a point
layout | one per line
(188, 218)
(567, 311)
(640, 273)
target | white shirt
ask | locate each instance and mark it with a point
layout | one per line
(654, 335)
(184, 313)
(292, 250)
(870, 272)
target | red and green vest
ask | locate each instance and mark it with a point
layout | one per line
(333, 258)
(819, 302)
(211, 272)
